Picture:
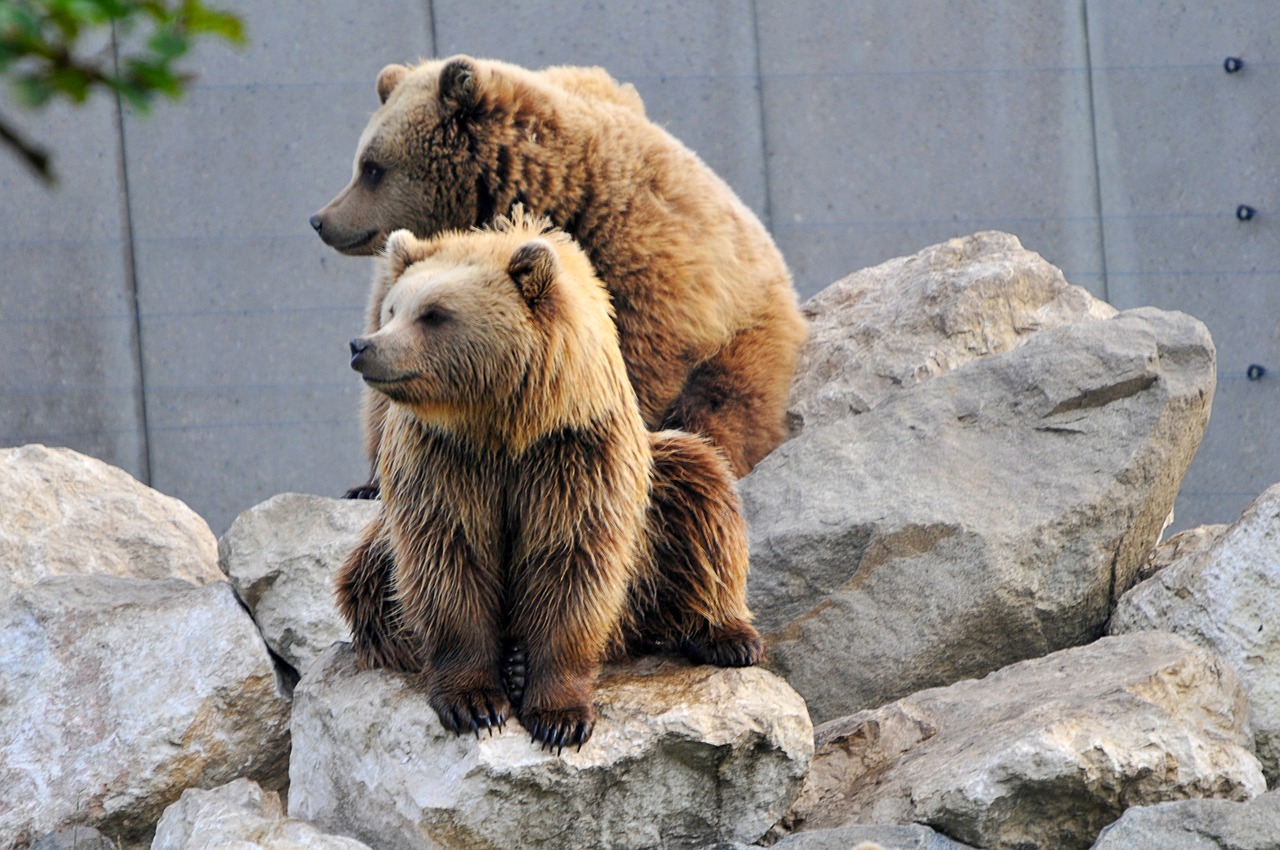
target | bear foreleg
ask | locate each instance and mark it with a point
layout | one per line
(366, 599)
(454, 604)
(693, 591)
(566, 617)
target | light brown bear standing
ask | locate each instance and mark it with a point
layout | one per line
(706, 313)
(526, 504)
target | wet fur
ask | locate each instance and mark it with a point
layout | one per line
(534, 525)
(707, 316)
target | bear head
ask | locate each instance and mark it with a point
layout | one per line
(505, 333)
(415, 164)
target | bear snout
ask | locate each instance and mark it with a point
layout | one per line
(359, 346)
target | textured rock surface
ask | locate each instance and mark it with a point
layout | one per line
(1226, 597)
(50, 499)
(887, 328)
(73, 838)
(242, 816)
(913, 837)
(1198, 825)
(1044, 753)
(681, 757)
(991, 514)
(1179, 546)
(116, 694)
(282, 556)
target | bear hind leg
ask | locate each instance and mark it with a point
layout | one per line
(365, 589)
(738, 398)
(693, 592)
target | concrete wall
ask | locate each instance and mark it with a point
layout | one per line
(168, 309)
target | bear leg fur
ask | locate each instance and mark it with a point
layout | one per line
(365, 588)
(738, 398)
(692, 590)
(455, 604)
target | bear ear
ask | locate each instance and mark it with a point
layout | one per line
(388, 78)
(534, 267)
(458, 86)
(402, 250)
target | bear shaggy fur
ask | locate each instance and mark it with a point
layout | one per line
(526, 504)
(706, 313)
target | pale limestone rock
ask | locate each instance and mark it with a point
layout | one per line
(1197, 825)
(63, 513)
(1044, 753)
(118, 693)
(282, 556)
(1225, 596)
(885, 329)
(239, 815)
(681, 756)
(988, 515)
(1179, 546)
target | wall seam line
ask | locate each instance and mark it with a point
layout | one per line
(767, 212)
(1097, 160)
(131, 271)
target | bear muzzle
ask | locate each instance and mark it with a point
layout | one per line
(369, 361)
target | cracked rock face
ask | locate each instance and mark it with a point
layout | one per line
(117, 693)
(681, 757)
(63, 513)
(242, 815)
(882, 330)
(1225, 596)
(991, 514)
(282, 556)
(1044, 753)
(1197, 825)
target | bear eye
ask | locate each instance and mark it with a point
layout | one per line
(433, 316)
(371, 174)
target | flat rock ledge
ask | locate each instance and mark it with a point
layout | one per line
(1045, 753)
(682, 757)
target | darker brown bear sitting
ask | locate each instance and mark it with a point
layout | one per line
(525, 502)
(706, 313)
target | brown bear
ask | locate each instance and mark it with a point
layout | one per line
(525, 503)
(704, 305)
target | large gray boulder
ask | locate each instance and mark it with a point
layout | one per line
(282, 556)
(1044, 753)
(239, 816)
(681, 757)
(1197, 825)
(991, 514)
(118, 693)
(63, 513)
(883, 330)
(1225, 596)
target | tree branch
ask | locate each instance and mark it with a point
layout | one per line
(35, 157)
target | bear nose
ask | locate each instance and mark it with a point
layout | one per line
(358, 347)
(317, 223)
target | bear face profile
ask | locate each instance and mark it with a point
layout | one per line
(530, 519)
(704, 308)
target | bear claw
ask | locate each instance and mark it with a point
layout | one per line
(472, 711)
(364, 491)
(555, 730)
(513, 671)
(739, 645)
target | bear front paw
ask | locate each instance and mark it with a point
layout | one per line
(731, 645)
(472, 710)
(557, 728)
